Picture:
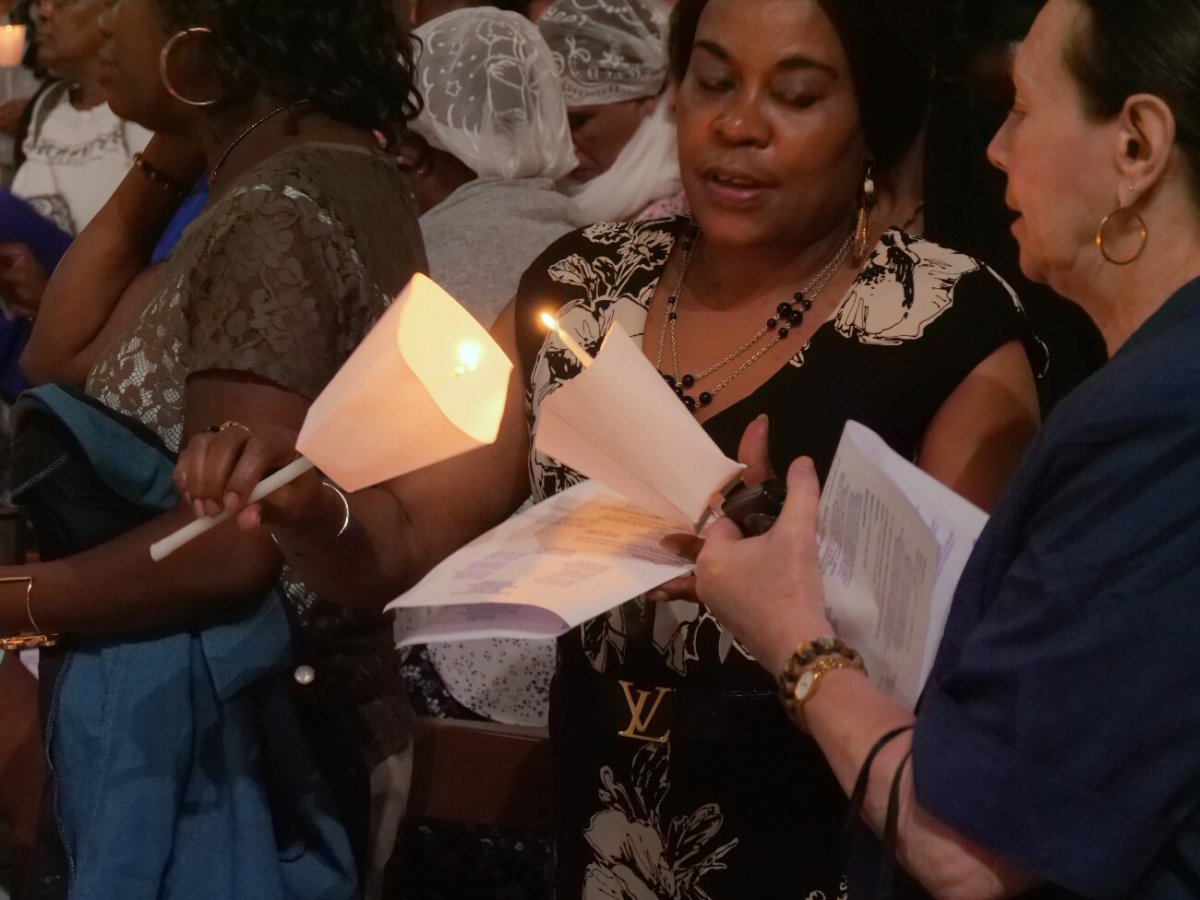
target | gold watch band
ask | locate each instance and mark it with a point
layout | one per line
(799, 680)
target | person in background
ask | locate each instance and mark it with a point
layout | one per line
(1055, 752)
(286, 747)
(17, 85)
(76, 148)
(495, 139)
(612, 58)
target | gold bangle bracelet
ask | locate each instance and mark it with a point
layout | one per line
(31, 639)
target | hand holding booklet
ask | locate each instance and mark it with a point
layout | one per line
(654, 472)
(893, 540)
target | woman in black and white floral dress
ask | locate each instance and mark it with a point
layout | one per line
(724, 804)
(678, 775)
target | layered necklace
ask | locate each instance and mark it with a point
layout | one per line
(787, 316)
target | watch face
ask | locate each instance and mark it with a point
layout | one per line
(804, 684)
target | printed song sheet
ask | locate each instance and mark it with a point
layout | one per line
(546, 570)
(893, 544)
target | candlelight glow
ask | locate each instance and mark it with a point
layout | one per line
(569, 342)
(469, 355)
(12, 46)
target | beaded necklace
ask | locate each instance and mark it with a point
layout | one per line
(786, 317)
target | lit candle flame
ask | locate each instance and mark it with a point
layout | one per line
(469, 355)
(568, 341)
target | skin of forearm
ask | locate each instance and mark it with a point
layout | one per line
(366, 567)
(403, 528)
(116, 587)
(91, 279)
(387, 548)
(946, 864)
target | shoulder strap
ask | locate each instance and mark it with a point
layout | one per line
(27, 125)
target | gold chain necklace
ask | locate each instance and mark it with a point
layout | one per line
(262, 120)
(786, 317)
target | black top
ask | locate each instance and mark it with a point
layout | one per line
(737, 803)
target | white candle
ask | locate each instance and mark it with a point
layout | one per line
(569, 342)
(12, 45)
(160, 550)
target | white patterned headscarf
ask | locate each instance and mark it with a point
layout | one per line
(607, 51)
(492, 95)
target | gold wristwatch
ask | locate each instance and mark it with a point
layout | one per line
(801, 676)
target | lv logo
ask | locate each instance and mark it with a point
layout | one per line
(641, 723)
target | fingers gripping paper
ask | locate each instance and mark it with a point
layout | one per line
(618, 423)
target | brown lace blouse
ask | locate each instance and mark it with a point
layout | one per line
(280, 278)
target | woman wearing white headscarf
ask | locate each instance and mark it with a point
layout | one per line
(612, 58)
(496, 128)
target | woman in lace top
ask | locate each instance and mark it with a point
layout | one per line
(612, 60)
(308, 232)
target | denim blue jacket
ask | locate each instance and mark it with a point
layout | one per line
(177, 757)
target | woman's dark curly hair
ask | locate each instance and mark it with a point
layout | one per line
(889, 46)
(353, 59)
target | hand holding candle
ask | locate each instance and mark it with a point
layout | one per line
(427, 383)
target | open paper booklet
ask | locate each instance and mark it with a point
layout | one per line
(893, 543)
(546, 570)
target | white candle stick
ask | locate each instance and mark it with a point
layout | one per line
(162, 549)
(568, 341)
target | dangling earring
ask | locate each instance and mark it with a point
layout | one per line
(862, 228)
(1102, 233)
(163, 67)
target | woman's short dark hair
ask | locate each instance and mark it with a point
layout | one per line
(1122, 48)
(353, 59)
(889, 46)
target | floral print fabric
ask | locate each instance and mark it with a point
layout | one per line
(735, 802)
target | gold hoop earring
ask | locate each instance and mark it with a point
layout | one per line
(164, 73)
(862, 228)
(1142, 228)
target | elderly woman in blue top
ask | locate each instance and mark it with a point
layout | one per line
(1056, 749)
